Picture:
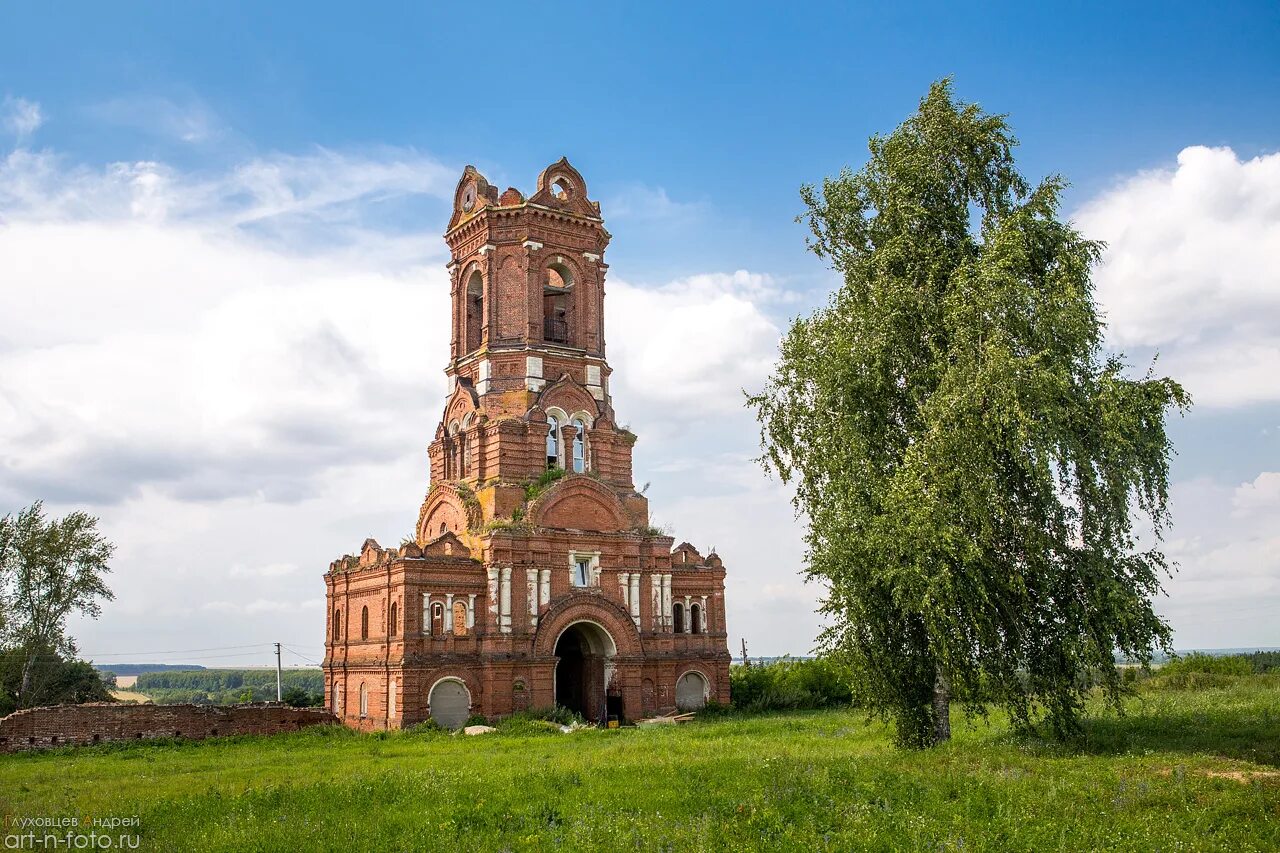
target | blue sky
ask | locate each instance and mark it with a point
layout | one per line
(301, 155)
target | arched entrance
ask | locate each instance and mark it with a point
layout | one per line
(584, 668)
(691, 691)
(449, 703)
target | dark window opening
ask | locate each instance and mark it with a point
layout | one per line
(677, 618)
(364, 623)
(557, 305)
(474, 311)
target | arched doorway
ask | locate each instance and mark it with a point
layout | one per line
(691, 691)
(584, 668)
(449, 703)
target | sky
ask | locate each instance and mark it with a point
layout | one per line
(224, 318)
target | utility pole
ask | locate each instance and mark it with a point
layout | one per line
(279, 695)
(746, 661)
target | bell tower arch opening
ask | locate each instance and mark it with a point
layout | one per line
(584, 668)
(557, 305)
(474, 307)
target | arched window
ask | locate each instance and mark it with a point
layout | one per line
(459, 619)
(337, 626)
(474, 311)
(443, 527)
(391, 628)
(579, 446)
(437, 620)
(553, 442)
(451, 452)
(677, 618)
(695, 619)
(557, 305)
(364, 700)
(364, 623)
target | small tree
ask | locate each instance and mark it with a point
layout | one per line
(965, 456)
(48, 570)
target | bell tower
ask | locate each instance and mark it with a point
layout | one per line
(527, 277)
(528, 379)
(534, 577)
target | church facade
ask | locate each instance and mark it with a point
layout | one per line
(535, 578)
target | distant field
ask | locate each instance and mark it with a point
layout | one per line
(1191, 770)
(130, 696)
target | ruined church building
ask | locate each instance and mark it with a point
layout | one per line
(535, 578)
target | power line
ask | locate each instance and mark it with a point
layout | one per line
(300, 655)
(173, 651)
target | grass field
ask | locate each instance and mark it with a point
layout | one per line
(1182, 770)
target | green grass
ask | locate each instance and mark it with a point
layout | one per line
(800, 781)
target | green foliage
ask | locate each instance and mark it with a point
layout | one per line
(475, 720)
(1199, 662)
(232, 686)
(538, 485)
(49, 569)
(557, 714)
(969, 462)
(296, 697)
(788, 684)
(426, 727)
(804, 780)
(51, 680)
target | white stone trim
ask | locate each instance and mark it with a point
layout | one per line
(532, 245)
(504, 614)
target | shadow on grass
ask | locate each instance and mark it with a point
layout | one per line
(1236, 724)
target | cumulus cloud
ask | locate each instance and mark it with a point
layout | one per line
(692, 345)
(1192, 270)
(1226, 591)
(20, 117)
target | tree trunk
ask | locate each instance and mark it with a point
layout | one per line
(941, 709)
(24, 691)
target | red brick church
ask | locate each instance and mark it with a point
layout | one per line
(535, 578)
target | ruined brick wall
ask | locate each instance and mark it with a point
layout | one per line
(76, 725)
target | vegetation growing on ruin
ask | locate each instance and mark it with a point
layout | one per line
(1193, 770)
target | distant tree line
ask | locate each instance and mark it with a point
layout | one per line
(301, 687)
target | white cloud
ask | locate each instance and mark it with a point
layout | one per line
(270, 570)
(640, 202)
(191, 121)
(20, 117)
(1226, 591)
(1192, 269)
(690, 347)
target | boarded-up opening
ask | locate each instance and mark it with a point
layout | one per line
(450, 703)
(691, 691)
